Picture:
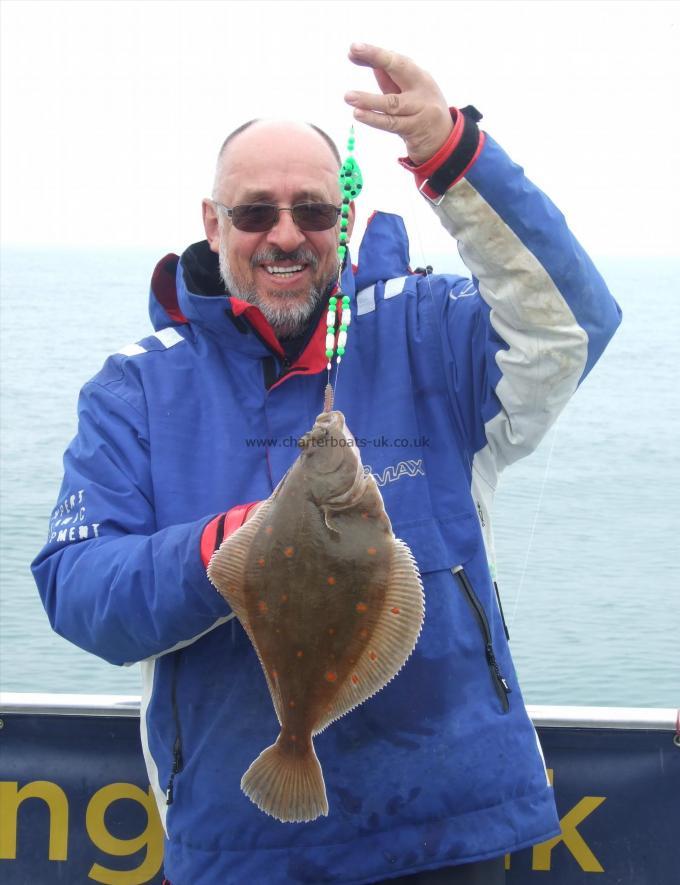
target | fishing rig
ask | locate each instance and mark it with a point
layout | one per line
(351, 183)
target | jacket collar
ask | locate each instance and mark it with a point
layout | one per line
(189, 290)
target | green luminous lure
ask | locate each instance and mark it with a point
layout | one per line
(351, 183)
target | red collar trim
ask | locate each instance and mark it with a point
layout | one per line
(164, 287)
(258, 322)
(313, 358)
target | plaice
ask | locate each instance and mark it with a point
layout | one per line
(331, 601)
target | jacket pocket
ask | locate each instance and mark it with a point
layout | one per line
(499, 682)
(437, 544)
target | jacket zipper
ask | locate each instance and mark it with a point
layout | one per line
(499, 682)
(177, 761)
(272, 373)
(285, 368)
(500, 609)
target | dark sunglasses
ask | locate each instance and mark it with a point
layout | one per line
(258, 217)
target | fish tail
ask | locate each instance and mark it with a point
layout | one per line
(287, 785)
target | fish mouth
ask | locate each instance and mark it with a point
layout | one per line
(325, 425)
(331, 420)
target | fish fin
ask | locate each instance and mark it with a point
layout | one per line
(288, 786)
(392, 641)
(226, 572)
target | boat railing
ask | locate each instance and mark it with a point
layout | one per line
(543, 716)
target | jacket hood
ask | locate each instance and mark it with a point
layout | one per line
(201, 270)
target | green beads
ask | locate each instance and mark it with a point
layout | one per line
(351, 183)
(333, 347)
(351, 180)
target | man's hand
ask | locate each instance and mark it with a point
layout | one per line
(412, 105)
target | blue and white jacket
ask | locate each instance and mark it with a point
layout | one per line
(445, 382)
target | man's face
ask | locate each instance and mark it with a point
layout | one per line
(284, 271)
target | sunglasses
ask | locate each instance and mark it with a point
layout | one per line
(258, 217)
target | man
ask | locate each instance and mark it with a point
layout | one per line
(439, 774)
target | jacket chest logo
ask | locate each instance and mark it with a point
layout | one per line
(393, 472)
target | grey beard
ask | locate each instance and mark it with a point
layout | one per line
(287, 320)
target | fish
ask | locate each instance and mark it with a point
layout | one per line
(331, 601)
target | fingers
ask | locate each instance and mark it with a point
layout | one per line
(412, 105)
(386, 122)
(403, 104)
(398, 67)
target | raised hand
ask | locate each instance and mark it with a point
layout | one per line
(411, 104)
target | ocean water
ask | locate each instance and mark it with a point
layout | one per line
(586, 528)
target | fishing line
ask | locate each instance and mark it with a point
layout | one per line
(414, 209)
(337, 376)
(535, 523)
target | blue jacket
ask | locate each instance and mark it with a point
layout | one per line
(445, 382)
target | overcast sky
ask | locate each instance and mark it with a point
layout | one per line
(112, 112)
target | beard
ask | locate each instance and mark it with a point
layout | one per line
(286, 312)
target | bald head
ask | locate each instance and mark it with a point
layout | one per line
(272, 130)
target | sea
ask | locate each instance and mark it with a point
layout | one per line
(586, 528)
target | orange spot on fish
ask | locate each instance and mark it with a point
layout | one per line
(299, 654)
(395, 610)
(284, 598)
(291, 703)
(361, 607)
(260, 562)
(262, 605)
(331, 676)
(363, 634)
(355, 679)
(330, 580)
(364, 515)
(289, 551)
(371, 551)
(269, 530)
(373, 656)
(331, 631)
(293, 737)
(275, 674)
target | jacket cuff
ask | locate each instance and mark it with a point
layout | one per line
(453, 159)
(219, 529)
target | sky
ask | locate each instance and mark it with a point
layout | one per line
(112, 112)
